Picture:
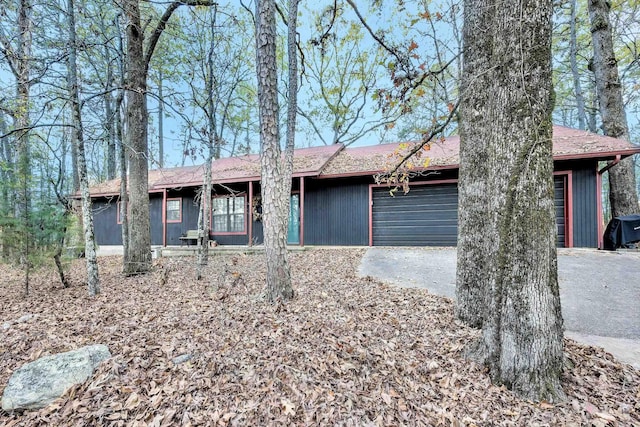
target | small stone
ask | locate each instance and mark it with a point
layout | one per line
(182, 359)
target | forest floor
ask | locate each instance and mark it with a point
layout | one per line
(346, 351)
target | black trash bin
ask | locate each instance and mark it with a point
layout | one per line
(622, 231)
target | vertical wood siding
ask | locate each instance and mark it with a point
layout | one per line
(585, 215)
(336, 213)
(105, 222)
(426, 216)
(155, 216)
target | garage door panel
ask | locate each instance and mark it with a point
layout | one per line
(426, 216)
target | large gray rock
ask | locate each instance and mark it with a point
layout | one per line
(42, 381)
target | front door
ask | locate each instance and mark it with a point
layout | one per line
(293, 236)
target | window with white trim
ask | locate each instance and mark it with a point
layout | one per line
(228, 214)
(174, 210)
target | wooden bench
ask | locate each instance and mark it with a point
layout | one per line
(191, 235)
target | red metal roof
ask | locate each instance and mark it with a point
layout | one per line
(335, 160)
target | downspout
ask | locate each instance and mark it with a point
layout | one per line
(610, 164)
(599, 198)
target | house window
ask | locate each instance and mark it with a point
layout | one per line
(174, 210)
(228, 214)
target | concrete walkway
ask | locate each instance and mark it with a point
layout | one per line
(599, 290)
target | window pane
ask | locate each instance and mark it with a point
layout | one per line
(173, 210)
(228, 214)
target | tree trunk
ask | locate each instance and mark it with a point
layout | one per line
(160, 121)
(93, 280)
(23, 123)
(623, 194)
(212, 144)
(506, 143)
(139, 259)
(109, 119)
(274, 201)
(573, 58)
(122, 155)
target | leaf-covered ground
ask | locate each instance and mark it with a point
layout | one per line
(346, 351)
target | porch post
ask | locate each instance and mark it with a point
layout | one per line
(301, 211)
(164, 217)
(250, 243)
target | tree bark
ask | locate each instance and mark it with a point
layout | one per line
(623, 194)
(109, 119)
(573, 58)
(93, 280)
(274, 201)
(122, 155)
(21, 68)
(507, 268)
(160, 121)
(139, 259)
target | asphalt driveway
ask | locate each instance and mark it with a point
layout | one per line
(599, 290)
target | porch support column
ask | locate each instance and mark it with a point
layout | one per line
(164, 217)
(301, 211)
(250, 226)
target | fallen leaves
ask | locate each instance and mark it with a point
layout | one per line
(346, 351)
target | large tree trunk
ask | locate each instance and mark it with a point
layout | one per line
(274, 201)
(93, 280)
(507, 271)
(139, 256)
(623, 194)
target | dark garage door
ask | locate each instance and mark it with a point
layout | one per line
(425, 216)
(428, 215)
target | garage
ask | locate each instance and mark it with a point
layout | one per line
(425, 216)
(428, 215)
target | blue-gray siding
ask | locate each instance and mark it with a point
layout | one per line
(585, 215)
(426, 216)
(107, 230)
(336, 213)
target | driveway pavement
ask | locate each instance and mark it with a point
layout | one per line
(599, 290)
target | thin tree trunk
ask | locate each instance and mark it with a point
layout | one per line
(122, 155)
(58, 253)
(275, 203)
(22, 122)
(573, 58)
(93, 280)
(623, 194)
(160, 120)
(212, 144)
(139, 259)
(506, 143)
(109, 119)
